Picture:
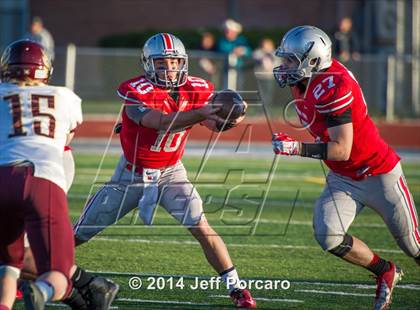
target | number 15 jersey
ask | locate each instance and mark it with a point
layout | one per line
(150, 148)
(34, 124)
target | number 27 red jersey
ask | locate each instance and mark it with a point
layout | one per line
(147, 147)
(331, 94)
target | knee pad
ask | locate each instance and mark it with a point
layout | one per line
(344, 247)
(10, 271)
(328, 241)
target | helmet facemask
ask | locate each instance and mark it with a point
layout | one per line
(292, 68)
(161, 75)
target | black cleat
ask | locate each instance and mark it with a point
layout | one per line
(101, 293)
(32, 296)
(75, 300)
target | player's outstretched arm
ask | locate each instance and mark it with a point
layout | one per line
(173, 121)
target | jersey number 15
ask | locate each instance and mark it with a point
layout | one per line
(38, 118)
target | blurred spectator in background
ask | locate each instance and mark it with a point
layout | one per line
(346, 41)
(42, 36)
(264, 64)
(208, 44)
(233, 42)
(234, 45)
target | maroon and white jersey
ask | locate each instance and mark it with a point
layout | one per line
(150, 148)
(34, 124)
(331, 94)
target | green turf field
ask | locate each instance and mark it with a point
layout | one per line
(263, 210)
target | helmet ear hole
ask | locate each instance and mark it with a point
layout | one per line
(314, 62)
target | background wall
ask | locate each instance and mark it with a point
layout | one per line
(84, 22)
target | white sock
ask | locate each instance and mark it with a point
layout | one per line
(231, 278)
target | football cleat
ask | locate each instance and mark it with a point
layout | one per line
(385, 285)
(32, 296)
(242, 298)
(101, 293)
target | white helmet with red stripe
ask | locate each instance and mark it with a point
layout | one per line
(160, 46)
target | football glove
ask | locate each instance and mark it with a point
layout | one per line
(284, 145)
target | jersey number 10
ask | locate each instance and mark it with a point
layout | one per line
(172, 142)
(38, 117)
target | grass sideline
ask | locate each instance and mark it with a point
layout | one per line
(280, 247)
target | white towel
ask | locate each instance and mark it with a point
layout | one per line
(147, 203)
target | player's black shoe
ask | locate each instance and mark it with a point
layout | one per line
(75, 300)
(32, 296)
(101, 293)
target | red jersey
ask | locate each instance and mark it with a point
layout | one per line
(148, 147)
(330, 94)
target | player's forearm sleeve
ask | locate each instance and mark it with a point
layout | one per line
(314, 150)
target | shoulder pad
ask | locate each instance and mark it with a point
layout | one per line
(332, 94)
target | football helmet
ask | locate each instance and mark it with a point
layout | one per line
(303, 50)
(25, 59)
(165, 45)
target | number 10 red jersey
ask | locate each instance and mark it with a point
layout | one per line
(150, 148)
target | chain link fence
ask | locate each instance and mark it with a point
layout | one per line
(96, 73)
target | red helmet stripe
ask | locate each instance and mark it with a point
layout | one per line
(168, 41)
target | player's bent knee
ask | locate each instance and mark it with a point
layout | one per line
(9, 271)
(332, 243)
(327, 241)
(344, 247)
(202, 229)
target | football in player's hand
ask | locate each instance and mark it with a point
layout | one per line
(232, 104)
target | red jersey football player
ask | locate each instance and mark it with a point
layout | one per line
(160, 109)
(364, 170)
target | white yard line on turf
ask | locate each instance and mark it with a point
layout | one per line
(359, 286)
(264, 299)
(335, 293)
(169, 302)
(50, 304)
(239, 245)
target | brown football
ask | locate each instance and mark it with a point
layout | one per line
(232, 104)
